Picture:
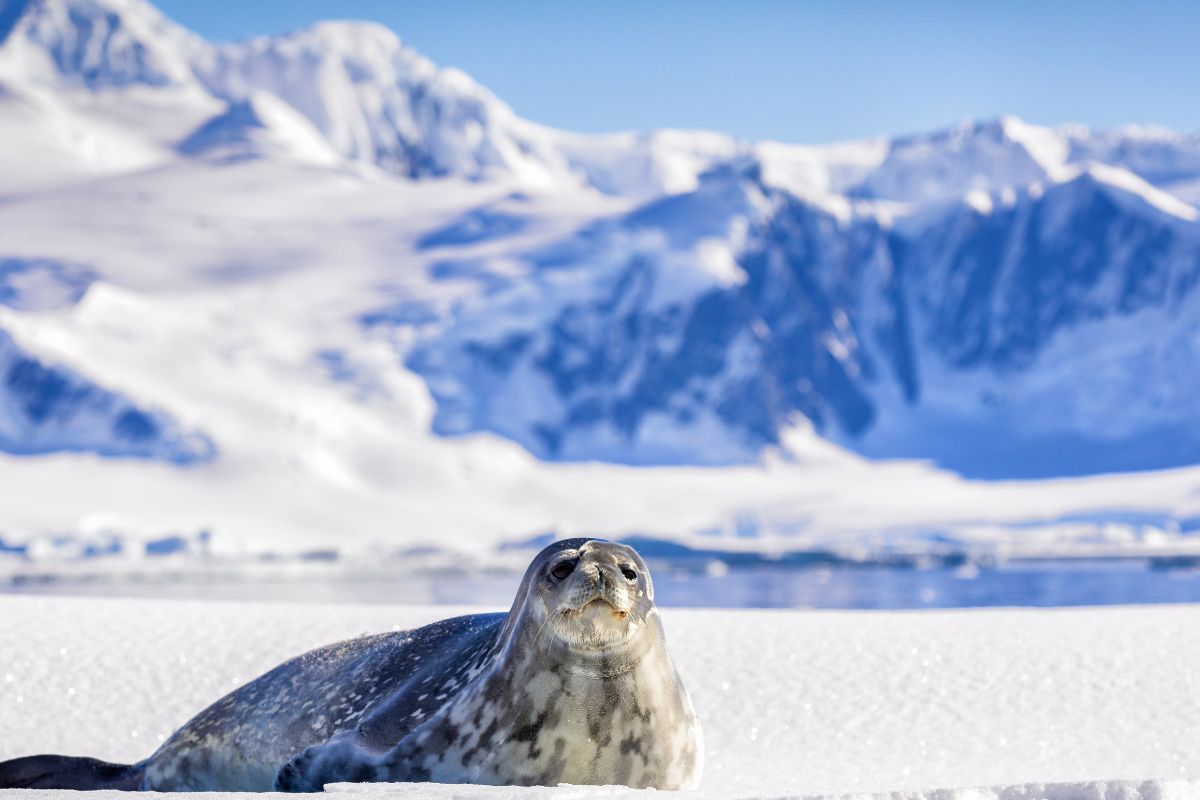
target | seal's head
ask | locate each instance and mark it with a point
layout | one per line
(590, 595)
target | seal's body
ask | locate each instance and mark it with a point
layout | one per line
(573, 685)
(240, 742)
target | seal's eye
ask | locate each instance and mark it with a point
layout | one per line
(563, 569)
(629, 573)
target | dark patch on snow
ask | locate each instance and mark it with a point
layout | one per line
(402, 313)
(476, 226)
(136, 426)
(13, 549)
(40, 391)
(228, 136)
(10, 14)
(168, 545)
(40, 284)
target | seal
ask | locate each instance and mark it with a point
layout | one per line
(572, 685)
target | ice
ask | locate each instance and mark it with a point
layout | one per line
(1075, 703)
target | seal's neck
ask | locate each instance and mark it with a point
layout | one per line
(551, 713)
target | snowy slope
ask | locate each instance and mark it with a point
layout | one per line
(261, 126)
(1079, 790)
(793, 704)
(1165, 158)
(47, 408)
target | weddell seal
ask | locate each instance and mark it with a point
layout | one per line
(572, 685)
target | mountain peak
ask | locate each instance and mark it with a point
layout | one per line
(349, 34)
(366, 52)
(376, 100)
(975, 155)
(96, 44)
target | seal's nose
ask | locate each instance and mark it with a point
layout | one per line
(608, 562)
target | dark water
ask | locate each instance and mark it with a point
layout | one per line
(749, 586)
(884, 587)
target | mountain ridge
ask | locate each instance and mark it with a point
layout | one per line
(696, 298)
(438, 121)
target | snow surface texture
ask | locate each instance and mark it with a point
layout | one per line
(1080, 790)
(1053, 704)
(358, 303)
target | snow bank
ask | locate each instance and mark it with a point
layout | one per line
(1093, 790)
(1084, 790)
(1055, 704)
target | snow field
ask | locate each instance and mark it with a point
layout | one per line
(1097, 790)
(1098, 702)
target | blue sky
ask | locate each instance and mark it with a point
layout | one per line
(792, 71)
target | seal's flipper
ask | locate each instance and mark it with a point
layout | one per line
(333, 762)
(68, 772)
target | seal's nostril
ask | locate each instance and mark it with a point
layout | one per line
(629, 573)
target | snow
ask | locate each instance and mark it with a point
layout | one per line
(1131, 184)
(810, 171)
(935, 168)
(1048, 703)
(98, 44)
(1046, 146)
(644, 165)
(254, 239)
(260, 126)
(1082, 790)
(376, 100)
(218, 312)
(228, 286)
(47, 407)
(1168, 159)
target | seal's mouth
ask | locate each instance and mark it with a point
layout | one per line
(597, 606)
(597, 621)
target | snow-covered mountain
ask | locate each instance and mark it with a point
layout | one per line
(373, 99)
(101, 45)
(323, 271)
(997, 334)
